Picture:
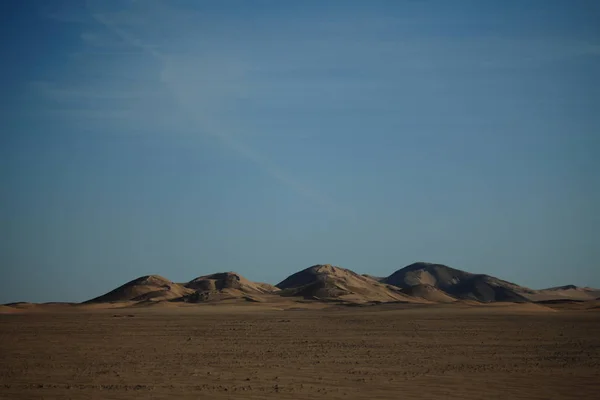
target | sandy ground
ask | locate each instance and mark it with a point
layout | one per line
(254, 352)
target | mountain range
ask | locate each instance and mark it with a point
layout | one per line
(420, 282)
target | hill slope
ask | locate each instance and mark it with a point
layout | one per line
(226, 285)
(567, 292)
(149, 287)
(429, 292)
(335, 283)
(228, 280)
(418, 282)
(457, 283)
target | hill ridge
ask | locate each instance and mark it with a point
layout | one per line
(458, 283)
(417, 282)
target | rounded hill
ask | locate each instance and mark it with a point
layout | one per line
(324, 281)
(457, 283)
(149, 287)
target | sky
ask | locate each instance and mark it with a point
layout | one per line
(184, 137)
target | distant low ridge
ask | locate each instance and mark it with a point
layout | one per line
(571, 292)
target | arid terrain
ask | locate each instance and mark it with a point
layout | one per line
(298, 350)
(426, 331)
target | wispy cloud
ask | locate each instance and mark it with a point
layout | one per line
(201, 85)
(62, 93)
(204, 68)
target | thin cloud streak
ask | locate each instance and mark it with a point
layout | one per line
(186, 103)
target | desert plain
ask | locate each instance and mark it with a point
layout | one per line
(299, 350)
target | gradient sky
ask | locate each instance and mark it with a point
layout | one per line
(182, 138)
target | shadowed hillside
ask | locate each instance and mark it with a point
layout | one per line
(457, 283)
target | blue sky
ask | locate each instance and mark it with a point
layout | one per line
(182, 138)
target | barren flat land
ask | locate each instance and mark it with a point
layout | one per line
(387, 351)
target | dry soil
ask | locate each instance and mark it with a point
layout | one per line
(255, 352)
